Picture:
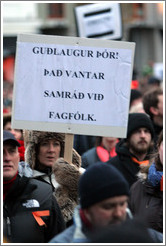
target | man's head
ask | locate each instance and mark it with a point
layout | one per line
(154, 82)
(103, 195)
(153, 104)
(10, 155)
(140, 133)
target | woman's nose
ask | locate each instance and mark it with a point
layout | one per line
(51, 147)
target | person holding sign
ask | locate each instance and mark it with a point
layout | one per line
(44, 152)
(30, 211)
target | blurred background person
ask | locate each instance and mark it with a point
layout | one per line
(153, 106)
(104, 150)
(18, 133)
(135, 97)
(82, 143)
(154, 83)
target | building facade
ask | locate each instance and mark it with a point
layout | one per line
(142, 23)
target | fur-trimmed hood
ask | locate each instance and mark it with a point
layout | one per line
(32, 140)
(143, 173)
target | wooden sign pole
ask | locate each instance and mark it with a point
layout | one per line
(69, 138)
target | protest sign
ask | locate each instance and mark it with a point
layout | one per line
(100, 20)
(72, 85)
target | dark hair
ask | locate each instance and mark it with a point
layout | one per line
(6, 119)
(150, 99)
(135, 94)
(154, 81)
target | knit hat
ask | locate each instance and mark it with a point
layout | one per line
(138, 120)
(99, 182)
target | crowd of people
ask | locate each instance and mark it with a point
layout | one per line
(112, 192)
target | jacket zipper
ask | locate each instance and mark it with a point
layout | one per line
(8, 226)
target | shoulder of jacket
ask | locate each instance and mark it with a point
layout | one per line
(156, 235)
(88, 152)
(64, 237)
(41, 186)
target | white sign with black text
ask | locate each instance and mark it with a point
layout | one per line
(72, 85)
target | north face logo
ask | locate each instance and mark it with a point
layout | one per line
(31, 203)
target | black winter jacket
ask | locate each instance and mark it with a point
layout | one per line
(25, 197)
(124, 163)
(146, 202)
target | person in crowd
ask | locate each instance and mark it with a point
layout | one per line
(104, 195)
(82, 143)
(135, 97)
(101, 203)
(30, 211)
(103, 151)
(134, 150)
(146, 198)
(153, 106)
(44, 152)
(18, 133)
(154, 82)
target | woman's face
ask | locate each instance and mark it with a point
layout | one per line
(49, 152)
(160, 149)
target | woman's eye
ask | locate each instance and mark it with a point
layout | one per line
(44, 143)
(57, 144)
